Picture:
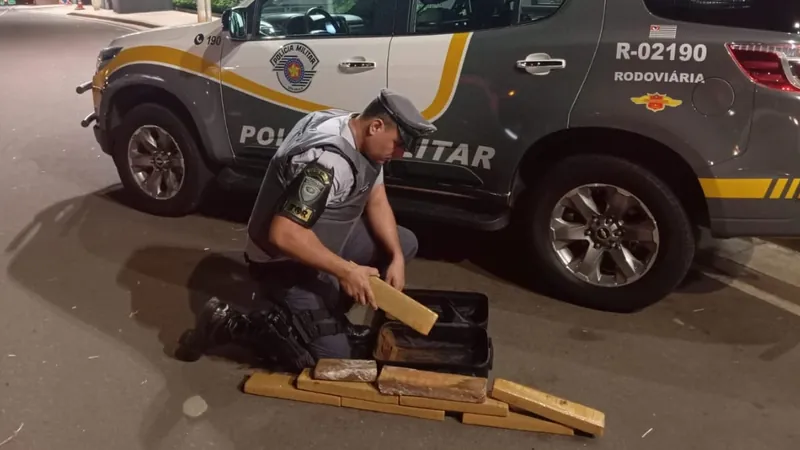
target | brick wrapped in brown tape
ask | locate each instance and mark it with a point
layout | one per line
(421, 413)
(282, 385)
(402, 307)
(420, 383)
(550, 407)
(490, 407)
(517, 421)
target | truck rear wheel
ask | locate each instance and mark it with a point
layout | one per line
(159, 162)
(608, 233)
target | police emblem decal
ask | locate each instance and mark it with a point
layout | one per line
(310, 189)
(294, 65)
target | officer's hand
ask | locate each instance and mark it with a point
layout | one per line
(396, 274)
(356, 284)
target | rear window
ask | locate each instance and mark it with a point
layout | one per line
(770, 15)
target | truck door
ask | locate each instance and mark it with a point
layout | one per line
(495, 76)
(301, 57)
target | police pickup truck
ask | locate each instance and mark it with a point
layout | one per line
(607, 131)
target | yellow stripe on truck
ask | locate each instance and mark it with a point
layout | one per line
(735, 187)
(793, 188)
(749, 188)
(450, 71)
(778, 189)
(188, 62)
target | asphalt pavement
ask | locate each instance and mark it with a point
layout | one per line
(93, 296)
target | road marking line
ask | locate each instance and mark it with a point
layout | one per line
(6, 11)
(765, 257)
(755, 292)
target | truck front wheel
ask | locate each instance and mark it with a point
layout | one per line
(608, 233)
(159, 162)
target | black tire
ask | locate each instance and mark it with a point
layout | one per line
(676, 237)
(197, 176)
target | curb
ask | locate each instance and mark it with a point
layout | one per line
(35, 7)
(195, 12)
(759, 263)
(114, 19)
(761, 256)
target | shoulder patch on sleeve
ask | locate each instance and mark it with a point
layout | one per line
(306, 196)
(315, 180)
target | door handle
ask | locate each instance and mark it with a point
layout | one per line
(540, 64)
(551, 64)
(354, 64)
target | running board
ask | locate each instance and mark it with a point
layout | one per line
(475, 214)
(449, 213)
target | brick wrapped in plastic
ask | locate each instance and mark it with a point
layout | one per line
(346, 370)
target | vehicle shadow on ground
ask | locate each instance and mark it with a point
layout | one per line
(495, 255)
(130, 276)
(499, 255)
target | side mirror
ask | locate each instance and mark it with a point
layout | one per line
(233, 22)
(226, 20)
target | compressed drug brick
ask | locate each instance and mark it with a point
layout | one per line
(346, 370)
(351, 389)
(420, 383)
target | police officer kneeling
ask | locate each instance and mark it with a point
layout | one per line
(320, 225)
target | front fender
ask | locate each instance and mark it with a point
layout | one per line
(116, 84)
(196, 96)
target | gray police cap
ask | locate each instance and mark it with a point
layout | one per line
(410, 121)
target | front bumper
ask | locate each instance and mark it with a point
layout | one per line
(100, 135)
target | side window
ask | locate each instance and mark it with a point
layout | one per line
(770, 15)
(322, 18)
(453, 16)
(533, 10)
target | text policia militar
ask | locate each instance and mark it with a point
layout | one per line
(435, 150)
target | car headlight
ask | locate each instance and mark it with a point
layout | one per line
(106, 55)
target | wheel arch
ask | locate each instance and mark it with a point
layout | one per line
(667, 164)
(127, 94)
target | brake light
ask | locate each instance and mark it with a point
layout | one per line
(773, 66)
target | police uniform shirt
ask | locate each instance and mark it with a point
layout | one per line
(343, 177)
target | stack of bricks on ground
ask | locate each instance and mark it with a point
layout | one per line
(429, 395)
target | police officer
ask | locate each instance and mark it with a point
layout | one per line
(321, 226)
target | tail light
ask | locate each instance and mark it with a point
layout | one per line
(773, 66)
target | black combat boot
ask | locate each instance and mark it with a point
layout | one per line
(218, 324)
(269, 332)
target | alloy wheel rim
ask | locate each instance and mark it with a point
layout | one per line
(604, 235)
(156, 162)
